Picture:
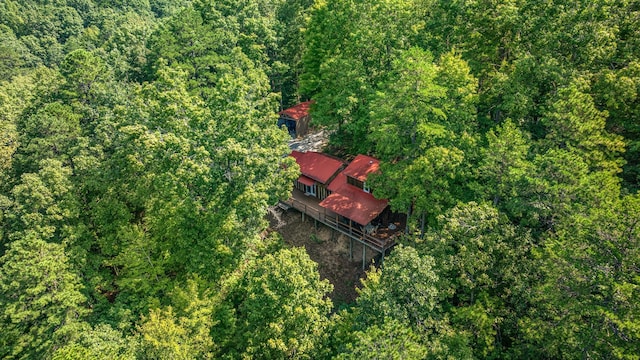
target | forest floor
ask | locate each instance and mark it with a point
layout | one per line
(315, 140)
(332, 255)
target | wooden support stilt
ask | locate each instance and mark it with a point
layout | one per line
(315, 224)
(364, 256)
(351, 249)
(302, 216)
(381, 257)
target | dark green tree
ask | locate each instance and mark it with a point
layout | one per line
(40, 297)
(618, 91)
(575, 124)
(588, 303)
(292, 21)
(420, 120)
(15, 55)
(404, 294)
(350, 49)
(503, 165)
(486, 268)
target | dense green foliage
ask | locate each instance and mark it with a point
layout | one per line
(139, 155)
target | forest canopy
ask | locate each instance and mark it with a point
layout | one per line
(139, 157)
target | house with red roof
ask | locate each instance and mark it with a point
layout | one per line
(351, 197)
(317, 171)
(341, 190)
(340, 198)
(296, 119)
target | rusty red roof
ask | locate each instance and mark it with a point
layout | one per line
(305, 180)
(317, 166)
(337, 183)
(355, 204)
(297, 112)
(362, 166)
(351, 201)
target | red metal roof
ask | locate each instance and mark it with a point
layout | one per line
(297, 112)
(362, 166)
(340, 180)
(351, 201)
(305, 180)
(355, 204)
(317, 166)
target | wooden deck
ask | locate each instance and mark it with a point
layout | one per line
(378, 239)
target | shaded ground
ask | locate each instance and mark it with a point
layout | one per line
(315, 140)
(330, 252)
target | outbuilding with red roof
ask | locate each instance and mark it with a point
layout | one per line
(296, 119)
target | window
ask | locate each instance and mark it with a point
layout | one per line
(310, 190)
(354, 182)
(358, 184)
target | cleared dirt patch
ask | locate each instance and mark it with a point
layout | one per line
(331, 252)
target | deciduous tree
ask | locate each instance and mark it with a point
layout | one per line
(281, 307)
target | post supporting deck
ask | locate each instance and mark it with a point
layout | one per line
(351, 249)
(364, 256)
(337, 228)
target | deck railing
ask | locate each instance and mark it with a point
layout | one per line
(355, 232)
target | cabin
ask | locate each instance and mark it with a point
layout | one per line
(340, 198)
(296, 119)
(317, 171)
(351, 195)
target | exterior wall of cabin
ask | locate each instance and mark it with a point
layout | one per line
(300, 186)
(357, 183)
(321, 190)
(302, 126)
